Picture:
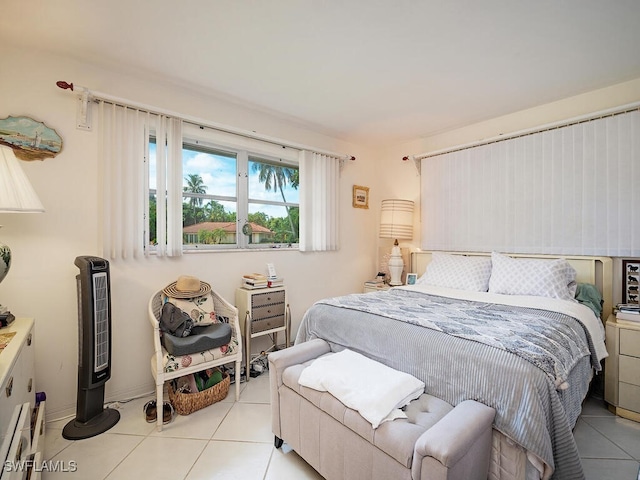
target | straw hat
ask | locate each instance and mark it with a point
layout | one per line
(186, 287)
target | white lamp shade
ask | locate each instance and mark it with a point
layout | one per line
(396, 219)
(16, 193)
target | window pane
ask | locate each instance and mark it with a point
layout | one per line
(273, 202)
(273, 182)
(274, 223)
(217, 171)
(209, 206)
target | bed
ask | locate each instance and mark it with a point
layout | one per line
(526, 347)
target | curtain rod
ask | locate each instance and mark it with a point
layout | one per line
(86, 93)
(521, 133)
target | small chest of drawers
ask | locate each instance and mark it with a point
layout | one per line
(262, 311)
(622, 369)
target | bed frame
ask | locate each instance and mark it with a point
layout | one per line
(595, 270)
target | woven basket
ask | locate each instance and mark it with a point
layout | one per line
(186, 403)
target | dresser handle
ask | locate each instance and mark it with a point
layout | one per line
(29, 340)
(30, 385)
(9, 388)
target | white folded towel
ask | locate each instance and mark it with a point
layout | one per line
(373, 389)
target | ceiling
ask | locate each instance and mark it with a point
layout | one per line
(376, 72)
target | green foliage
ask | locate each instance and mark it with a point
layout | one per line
(259, 218)
(210, 237)
(152, 220)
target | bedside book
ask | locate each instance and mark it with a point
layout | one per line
(628, 317)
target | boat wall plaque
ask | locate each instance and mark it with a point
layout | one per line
(30, 140)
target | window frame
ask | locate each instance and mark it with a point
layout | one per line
(210, 141)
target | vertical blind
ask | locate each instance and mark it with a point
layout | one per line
(123, 156)
(319, 211)
(570, 190)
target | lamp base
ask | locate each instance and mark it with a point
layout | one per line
(396, 266)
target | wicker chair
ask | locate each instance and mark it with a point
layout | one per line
(159, 364)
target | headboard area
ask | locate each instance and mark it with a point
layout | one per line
(595, 270)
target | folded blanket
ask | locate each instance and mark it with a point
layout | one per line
(373, 389)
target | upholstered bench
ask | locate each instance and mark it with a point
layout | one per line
(436, 441)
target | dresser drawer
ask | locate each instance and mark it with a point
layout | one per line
(630, 397)
(629, 369)
(630, 342)
(267, 298)
(16, 446)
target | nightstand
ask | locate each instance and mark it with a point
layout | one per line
(375, 288)
(622, 369)
(263, 311)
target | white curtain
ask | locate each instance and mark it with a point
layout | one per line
(168, 174)
(123, 153)
(319, 179)
(571, 190)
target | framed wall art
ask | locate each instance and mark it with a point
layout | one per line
(30, 139)
(360, 196)
(630, 281)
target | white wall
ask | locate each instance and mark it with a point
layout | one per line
(41, 283)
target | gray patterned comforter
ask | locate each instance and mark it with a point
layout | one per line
(513, 362)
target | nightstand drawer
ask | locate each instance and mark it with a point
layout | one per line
(267, 324)
(267, 311)
(630, 342)
(630, 397)
(267, 298)
(629, 369)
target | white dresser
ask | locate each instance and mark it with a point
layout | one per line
(22, 426)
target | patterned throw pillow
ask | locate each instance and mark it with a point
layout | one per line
(200, 309)
(457, 271)
(532, 276)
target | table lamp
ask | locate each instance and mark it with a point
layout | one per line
(396, 221)
(16, 195)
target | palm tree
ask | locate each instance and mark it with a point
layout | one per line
(195, 184)
(192, 211)
(276, 178)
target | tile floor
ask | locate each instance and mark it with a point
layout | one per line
(233, 440)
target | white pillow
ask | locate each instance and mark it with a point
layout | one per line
(457, 271)
(532, 276)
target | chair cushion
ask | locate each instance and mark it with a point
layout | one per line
(201, 339)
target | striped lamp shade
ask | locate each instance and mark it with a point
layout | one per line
(396, 219)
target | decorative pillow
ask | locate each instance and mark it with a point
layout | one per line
(457, 271)
(200, 309)
(589, 295)
(532, 276)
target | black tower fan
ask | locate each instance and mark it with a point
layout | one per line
(94, 355)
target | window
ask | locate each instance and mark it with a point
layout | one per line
(234, 194)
